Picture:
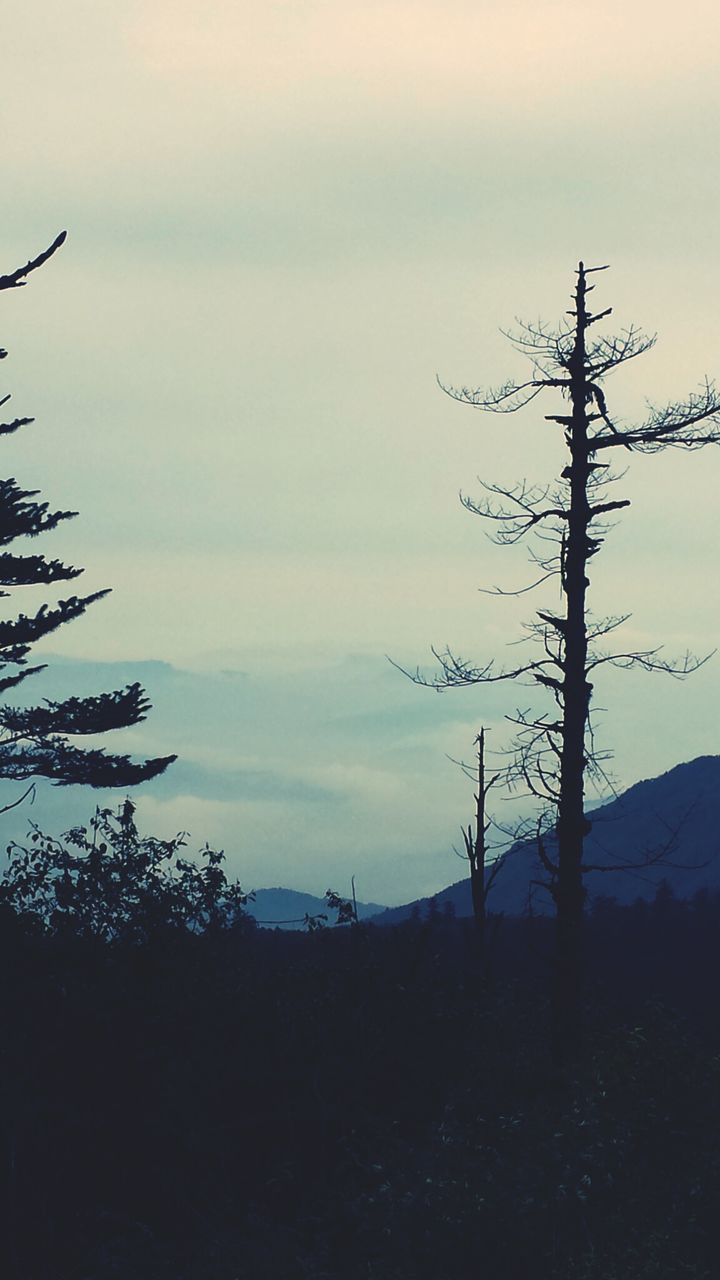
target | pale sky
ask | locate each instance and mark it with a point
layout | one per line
(284, 219)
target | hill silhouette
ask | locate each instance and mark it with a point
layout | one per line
(287, 908)
(677, 813)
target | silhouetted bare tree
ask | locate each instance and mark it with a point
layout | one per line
(36, 741)
(555, 750)
(482, 873)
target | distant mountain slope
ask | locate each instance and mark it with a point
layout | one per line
(287, 908)
(680, 809)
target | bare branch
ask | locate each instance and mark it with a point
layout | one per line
(507, 398)
(498, 591)
(30, 791)
(648, 660)
(520, 520)
(653, 857)
(672, 426)
(456, 672)
(14, 280)
(603, 507)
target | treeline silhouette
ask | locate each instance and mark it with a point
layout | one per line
(356, 1102)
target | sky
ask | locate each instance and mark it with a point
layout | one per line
(284, 220)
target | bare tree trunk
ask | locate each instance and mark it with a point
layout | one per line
(476, 849)
(572, 825)
(481, 877)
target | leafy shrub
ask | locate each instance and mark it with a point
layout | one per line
(106, 881)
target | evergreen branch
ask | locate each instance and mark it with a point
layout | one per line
(7, 428)
(18, 517)
(117, 710)
(9, 682)
(16, 571)
(65, 765)
(25, 630)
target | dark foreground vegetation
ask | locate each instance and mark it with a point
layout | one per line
(353, 1104)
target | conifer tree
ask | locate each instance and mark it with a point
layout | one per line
(37, 741)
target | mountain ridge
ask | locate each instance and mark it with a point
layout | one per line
(286, 908)
(677, 810)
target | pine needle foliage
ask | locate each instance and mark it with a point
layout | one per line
(36, 741)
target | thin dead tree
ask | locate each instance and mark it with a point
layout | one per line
(482, 873)
(555, 750)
